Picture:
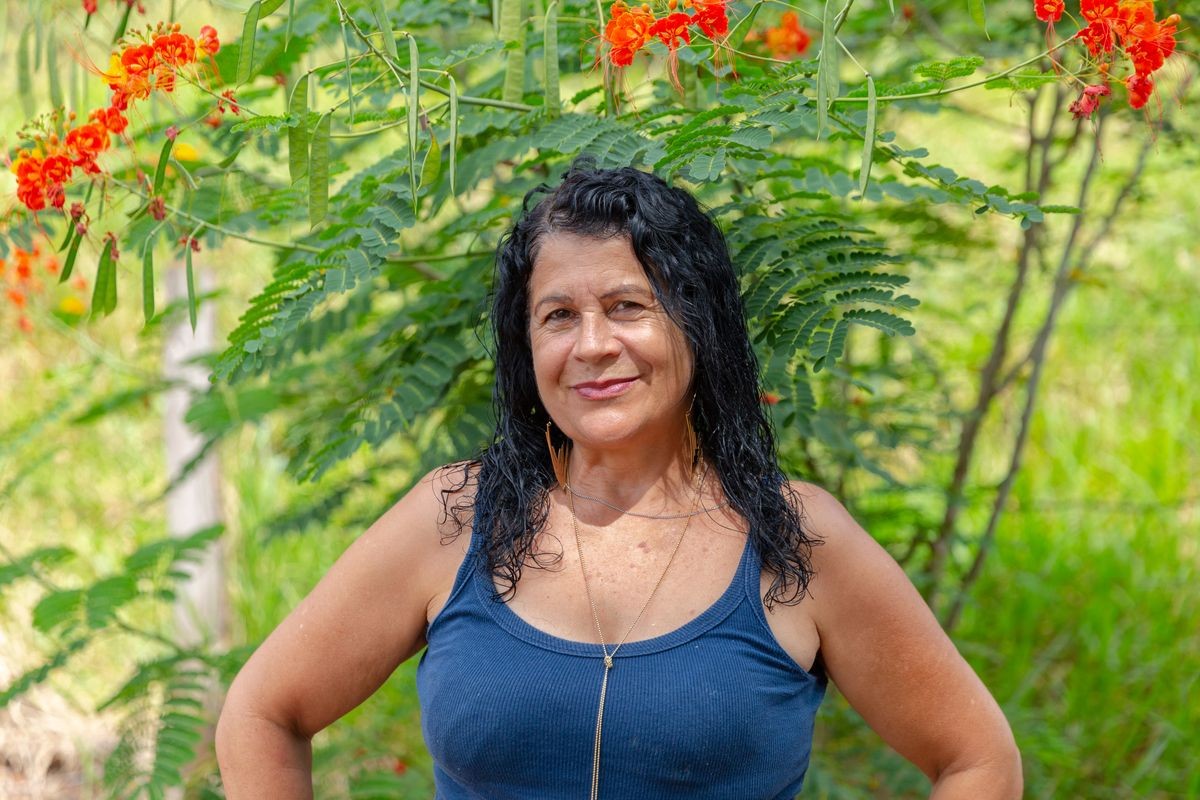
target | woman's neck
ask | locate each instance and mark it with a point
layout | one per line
(656, 480)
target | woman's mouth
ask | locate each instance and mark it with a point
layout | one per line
(603, 390)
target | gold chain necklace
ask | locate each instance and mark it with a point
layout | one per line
(608, 657)
(693, 513)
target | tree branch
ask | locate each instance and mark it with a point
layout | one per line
(1063, 282)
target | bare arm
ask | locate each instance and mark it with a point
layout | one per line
(365, 617)
(887, 654)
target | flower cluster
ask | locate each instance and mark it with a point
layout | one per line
(145, 66)
(1118, 26)
(789, 38)
(21, 280)
(61, 147)
(629, 29)
(60, 150)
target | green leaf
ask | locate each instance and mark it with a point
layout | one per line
(287, 35)
(1057, 209)
(39, 673)
(707, 166)
(414, 115)
(748, 23)
(889, 323)
(25, 565)
(828, 64)
(512, 33)
(160, 172)
(978, 11)
(191, 284)
(55, 87)
(266, 123)
(165, 554)
(1022, 81)
(943, 71)
(453, 132)
(553, 102)
(24, 72)
(123, 24)
(245, 64)
(868, 154)
(148, 282)
(318, 172)
(385, 28)
(433, 164)
(298, 133)
(104, 295)
(105, 597)
(268, 7)
(69, 265)
(59, 608)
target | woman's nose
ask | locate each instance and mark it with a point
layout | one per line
(596, 337)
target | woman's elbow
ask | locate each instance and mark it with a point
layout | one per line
(993, 772)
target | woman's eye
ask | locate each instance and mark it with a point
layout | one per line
(558, 315)
(628, 306)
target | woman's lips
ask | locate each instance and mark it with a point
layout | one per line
(602, 390)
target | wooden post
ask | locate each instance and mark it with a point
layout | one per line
(201, 606)
(201, 611)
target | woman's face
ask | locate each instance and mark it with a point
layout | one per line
(612, 368)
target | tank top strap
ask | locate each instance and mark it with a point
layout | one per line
(464, 577)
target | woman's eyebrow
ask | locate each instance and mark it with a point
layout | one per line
(552, 298)
(626, 288)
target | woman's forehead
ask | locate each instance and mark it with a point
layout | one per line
(567, 262)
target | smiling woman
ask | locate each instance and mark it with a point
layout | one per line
(622, 596)
(611, 365)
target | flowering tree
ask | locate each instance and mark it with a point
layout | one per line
(378, 153)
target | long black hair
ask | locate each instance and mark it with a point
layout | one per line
(687, 262)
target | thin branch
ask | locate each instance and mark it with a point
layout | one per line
(995, 76)
(1063, 282)
(220, 229)
(402, 75)
(973, 422)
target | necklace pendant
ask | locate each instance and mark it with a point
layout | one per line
(608, 662)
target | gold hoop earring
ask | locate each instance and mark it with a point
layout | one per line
(559, 459)
(691, 442)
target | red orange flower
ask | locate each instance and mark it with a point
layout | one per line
(711, 18)
(175, 49)
(1140, 88)
(85, 143)
(627, 32)
(1098, 37)
(208, 41)
(1099, 10)
(1129, 25)
(111, 119)
(671, 29)
(789, 38)
(1048, 10)
(1089, 101)
(56, 169)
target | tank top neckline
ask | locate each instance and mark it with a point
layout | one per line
(722, 607)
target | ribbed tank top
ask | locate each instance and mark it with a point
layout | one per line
(714, 709)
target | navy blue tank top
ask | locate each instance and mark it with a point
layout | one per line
(714, 709)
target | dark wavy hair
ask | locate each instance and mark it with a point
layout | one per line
(687, 262)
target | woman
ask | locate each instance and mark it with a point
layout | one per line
(622, 597)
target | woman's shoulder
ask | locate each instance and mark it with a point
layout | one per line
(828, 523)
(432, 520)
